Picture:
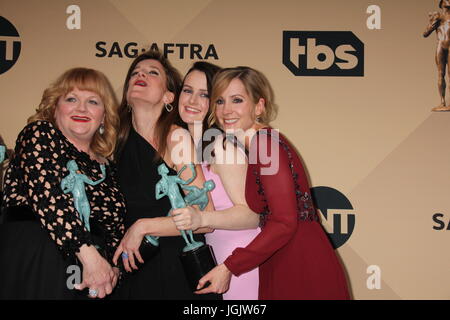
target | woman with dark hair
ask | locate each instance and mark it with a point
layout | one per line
(234, 223)
(43, 233)
(147, 138)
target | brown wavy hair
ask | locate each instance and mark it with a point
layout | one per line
(256, 85)
(90, 80)
(161, 129)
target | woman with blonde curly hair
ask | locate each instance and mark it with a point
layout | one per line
(42, 235)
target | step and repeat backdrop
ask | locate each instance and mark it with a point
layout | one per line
(356, 82)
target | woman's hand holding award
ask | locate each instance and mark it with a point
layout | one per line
(197, 258)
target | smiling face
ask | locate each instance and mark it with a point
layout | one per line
(193, 103)
(148, 84)
(78, 115)
(235, 108)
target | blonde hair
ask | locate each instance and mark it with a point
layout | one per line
(256, 85)
(89, 80)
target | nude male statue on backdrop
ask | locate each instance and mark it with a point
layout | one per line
(440, 22)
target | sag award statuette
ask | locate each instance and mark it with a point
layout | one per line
(197, 258)
(74, 183)
(2, 153)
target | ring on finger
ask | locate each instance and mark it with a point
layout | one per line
(124, 255)
(93, 293)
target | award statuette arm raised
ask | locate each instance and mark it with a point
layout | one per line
(168, 186)
(196, 257)
(74, 183)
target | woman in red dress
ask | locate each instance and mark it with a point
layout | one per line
(294, 256)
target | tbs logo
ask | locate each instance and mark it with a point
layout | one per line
(323, 53)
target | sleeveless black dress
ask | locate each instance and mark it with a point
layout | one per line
(161, 277)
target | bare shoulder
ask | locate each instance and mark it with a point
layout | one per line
(176, 133)
(229, 158)
(180, 147)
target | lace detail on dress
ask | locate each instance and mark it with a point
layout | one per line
(33, 179)
(305, 206)
(266, 210)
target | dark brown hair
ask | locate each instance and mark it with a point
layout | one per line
(209, 70)
(173, 84)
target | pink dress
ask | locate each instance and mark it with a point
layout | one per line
(244, 287)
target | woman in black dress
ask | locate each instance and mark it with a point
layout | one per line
(145, 141)
(43, 241)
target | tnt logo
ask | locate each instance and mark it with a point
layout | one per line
(9, 45)
(323, 53)
(338, 212)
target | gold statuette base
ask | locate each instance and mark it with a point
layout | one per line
(441, 108)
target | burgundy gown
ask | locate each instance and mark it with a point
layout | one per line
(294, 255)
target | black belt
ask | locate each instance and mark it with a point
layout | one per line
(25, 213)
(18, 213)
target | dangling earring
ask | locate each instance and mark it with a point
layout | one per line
(130, 108)
(101, 130)
(168, 107)
(258, 119)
